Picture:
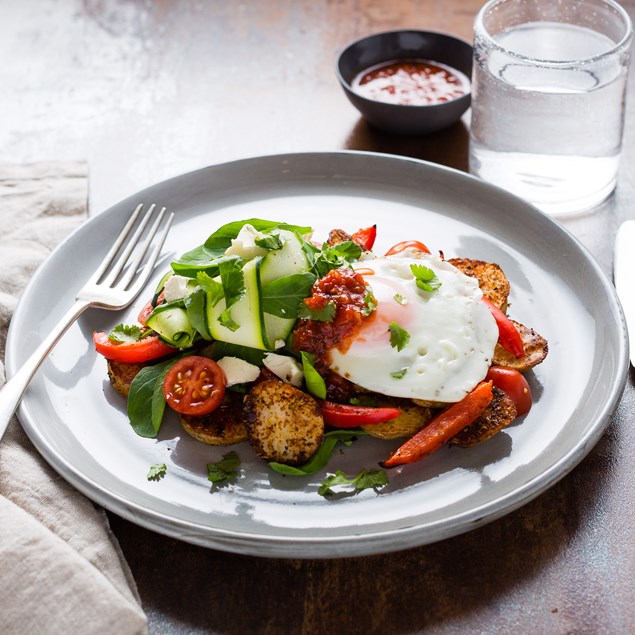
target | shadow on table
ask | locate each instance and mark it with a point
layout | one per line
(478, 581)
(447, 147)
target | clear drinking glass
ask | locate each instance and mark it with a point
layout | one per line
(548, 94)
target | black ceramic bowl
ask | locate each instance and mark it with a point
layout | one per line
(403, 45)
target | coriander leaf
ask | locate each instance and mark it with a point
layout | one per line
(398, 374)
(370, 304)
(320, 459)
(146, 404)
(195, 305)
(225, 469)
(226, 320)
(283, 296)
(426, 278)
(270, 242)
(335, 256)
(314, 382)
(400, 299)
(231, 275)
(325, 314)
(399, 337)
(213, 288)
(374, 479)
(124, 333)
(157, 472)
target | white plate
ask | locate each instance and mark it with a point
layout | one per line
(79, 424)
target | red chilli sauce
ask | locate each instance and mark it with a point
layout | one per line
(347, 290)
(411, 82)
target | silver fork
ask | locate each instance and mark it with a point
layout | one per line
(116, 283)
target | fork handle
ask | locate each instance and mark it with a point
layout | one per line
(13, 390)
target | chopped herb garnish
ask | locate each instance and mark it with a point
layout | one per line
(370, 304)
(325, 314)
(398, 374)
(374, 479)
(225, 469)
(123, 333)
(400, 299)
(426, 278)
(157, 472)
(399, 337)
(213, 287)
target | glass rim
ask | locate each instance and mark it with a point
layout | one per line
(622, 44)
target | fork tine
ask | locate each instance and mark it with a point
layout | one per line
(154, 254)
(141, 252)
(107, 261)
(118, 266)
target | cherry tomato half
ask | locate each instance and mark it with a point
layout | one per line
(142, 350)
(514, 384)
(407, 244)
(194, 386)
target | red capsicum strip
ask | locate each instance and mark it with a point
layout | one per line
(346, 416)
(508, 337)
(443, 427)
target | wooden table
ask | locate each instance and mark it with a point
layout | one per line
(147, 90)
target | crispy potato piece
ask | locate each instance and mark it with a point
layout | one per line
(337, 236)
(499, 414)
(121, 374)
(536, 349)
(223, 426)
(284, 424)
(491, 278)
(410, 421)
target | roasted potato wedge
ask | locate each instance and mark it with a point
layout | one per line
(491, 278)
(536, 349)
(410, 421)
(284, 424)
(121, 374)
(223, 426)
(499, 414)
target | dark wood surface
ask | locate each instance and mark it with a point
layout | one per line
(147, 90)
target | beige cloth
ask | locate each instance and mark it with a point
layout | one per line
(61, 568)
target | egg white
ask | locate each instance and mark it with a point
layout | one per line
(452, 334)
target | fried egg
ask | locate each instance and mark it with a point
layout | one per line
(443, 340)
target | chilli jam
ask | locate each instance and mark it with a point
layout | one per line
(411, 83)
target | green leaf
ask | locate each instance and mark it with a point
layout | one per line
(399, 337)
(270, 242)
(225, 349)
(363, 400)
(400, 299)
(146, 403)
(195, 309)
(314, 382)
(374, 479)
(335, 256)
(370, 304)
(225, 469)
(226, 320)
(213, 288)
(283, 296)
(398, 374)
(157, 472)
(325, 314)
(233, 280)
(426, 278)
(321, 458)
(123, 333)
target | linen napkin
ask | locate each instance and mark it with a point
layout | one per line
(61, 568)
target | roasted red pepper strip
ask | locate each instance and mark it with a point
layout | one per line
(142, 350)
(346, 416)
(508, 337)
(365, 238)
(443, 427)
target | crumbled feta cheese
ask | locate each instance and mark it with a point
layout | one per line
(238, 371)
(284, 367)
(176, 287)
(279, 344)
(244, 245)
